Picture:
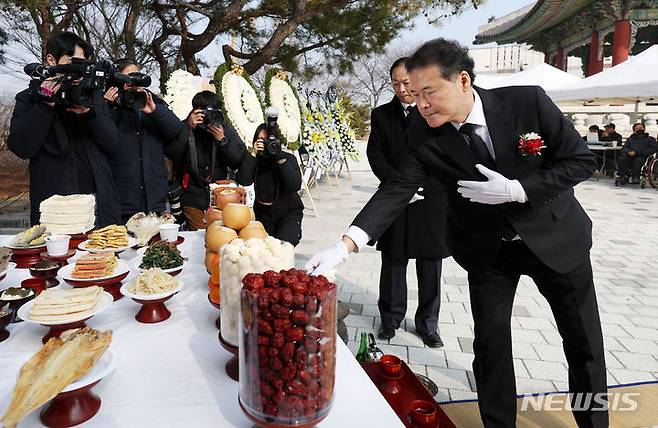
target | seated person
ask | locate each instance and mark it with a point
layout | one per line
(594, 129)
(609, 134)
(637, 149)
(212, 150)
(277, 179)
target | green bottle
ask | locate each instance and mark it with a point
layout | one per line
(362, 355)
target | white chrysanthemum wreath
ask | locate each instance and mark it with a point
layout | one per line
(279, 93)
(239, 100)
(180, 89)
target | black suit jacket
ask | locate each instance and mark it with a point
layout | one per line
(552, 223)
(420, 230)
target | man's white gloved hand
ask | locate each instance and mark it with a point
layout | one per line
(497, 190)
(328, 259)
(417, 196)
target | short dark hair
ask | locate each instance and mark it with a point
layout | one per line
(398, 62)
(122, 63)
(594, 127)
(639, 123)
(610, 125)
(206, 99)
(64, 43)
(451, 58)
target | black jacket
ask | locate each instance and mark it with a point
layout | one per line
(276, 184)
(200, 145)
(47, 136)
(552, 223)
(615, 136)
(420, 231)
(644, 145)
(138, 164)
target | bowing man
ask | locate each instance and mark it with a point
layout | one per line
(511, 212)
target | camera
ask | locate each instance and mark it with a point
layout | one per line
(272, 142)
(211, 116)
(131, 98)
(81, 82)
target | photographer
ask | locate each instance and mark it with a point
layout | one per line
(149, 131)
(66, 142)
(277, 179)
(213, 149)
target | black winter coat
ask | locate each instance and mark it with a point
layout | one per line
(420, 231)
(47, 136)
(139, 165)
(276, 184)
(644, 145)
(229, 157)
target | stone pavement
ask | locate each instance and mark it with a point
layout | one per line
(623, 256)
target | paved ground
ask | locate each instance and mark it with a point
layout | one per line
(623, 255)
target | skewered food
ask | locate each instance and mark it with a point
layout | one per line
(92, 266)
(112, 236)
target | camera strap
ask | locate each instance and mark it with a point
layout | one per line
(194, 159)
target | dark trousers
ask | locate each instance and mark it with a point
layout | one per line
(286, 226)
(572, 300)
(630, 166)
(393, 292)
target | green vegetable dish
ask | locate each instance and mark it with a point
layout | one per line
(163, 255)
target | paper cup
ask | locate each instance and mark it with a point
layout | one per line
(57, 245)
(169, 232)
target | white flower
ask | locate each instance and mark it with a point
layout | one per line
(242, 105)
(282, 96)
(180, 89)
(531, 136)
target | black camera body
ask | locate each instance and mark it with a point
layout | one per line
(131, 98)
(81, 82)
(272, 143)
(212, 116)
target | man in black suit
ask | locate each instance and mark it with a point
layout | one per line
(419, 232)
(511, 213)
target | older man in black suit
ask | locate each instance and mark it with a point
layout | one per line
(512, 212)
(418, 232)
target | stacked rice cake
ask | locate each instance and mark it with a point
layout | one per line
(64, 304)
(68, 215)
(111, 236)
(92, 266)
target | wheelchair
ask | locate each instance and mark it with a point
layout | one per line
(649, 172)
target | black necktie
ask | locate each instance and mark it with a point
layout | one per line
(478, 148)
(407, 115)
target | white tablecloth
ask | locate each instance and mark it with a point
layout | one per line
(172, 374)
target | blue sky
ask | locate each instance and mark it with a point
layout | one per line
(464, 27)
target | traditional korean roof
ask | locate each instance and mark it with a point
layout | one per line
(525, 24)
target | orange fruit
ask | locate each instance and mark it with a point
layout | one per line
(214, 295)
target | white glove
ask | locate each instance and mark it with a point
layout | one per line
(323, 262)
(497, 190)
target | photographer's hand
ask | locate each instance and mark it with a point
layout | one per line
(195, 118)
(150, 104)
(216, 131)
(49, 88)
(112, 94)
(259, 146)
(78, 109)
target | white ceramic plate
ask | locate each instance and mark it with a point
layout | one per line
(131, 243)
(10, 266)
(34, 247)
(104, 366)
(66, 272)
(105, 302)
(124, 290)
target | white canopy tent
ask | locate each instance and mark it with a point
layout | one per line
(632, 81)
(544, 75)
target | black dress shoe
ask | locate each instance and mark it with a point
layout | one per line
(385, 332)
(433, 340)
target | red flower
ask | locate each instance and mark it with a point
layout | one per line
(531, 144)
